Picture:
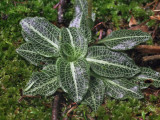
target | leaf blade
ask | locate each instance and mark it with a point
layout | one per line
(146, 78)
(81, 6)
(95, 94)
(74, 77)
(122, 88)
(80, 19)
(42, 33)
(125, 39)
(43, 83)
(75, 39)
(27, 51)
(111, 64)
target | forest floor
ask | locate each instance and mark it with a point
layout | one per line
(110, 16)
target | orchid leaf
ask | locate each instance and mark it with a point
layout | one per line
(74, 77)
(80, 19)
(147, 77)
(43, 83)
(43, 35)
(95, 94)
(29, 53)
(125, 39)
(81, 6)
(122, 88)
(73, 43)
(107, 63)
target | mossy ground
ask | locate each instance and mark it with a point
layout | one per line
(15, 71)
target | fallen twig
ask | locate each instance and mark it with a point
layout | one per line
(155, 5)
(149, 4)
(55, 107)
(64, 113)
(101, 23)
(69, 111)
(154, 32)
(150, 49)
(148, 58)
(27, 96)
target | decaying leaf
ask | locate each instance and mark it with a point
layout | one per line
(132, 21)
(156, 17)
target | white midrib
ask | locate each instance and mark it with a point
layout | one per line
(53, 80)
(29, 86)
(74, 78)
(93, 98)
(81, 4)
(107, 39)
(71, 37)
(105, 62)
(113, 83)
(48, 40)
(27, 51)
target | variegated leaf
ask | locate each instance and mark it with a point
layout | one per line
(43, 83)
(28, 52)
(43, 35)
(73, 43)
(95, 94)
(80, 19)
(125, 39)
(122, 88)
(147, 77)
(107, 63)
(74, 77)
(50, 70)
(81, 6)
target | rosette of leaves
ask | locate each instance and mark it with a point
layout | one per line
(87, 74)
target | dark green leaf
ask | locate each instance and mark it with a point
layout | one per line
(29, 53)
(122, 88)
(74, 77)
(80, 19)
(105, 62)
(147, 77)
(95, 94)
(43, 35)
(81, 6)
(43, 83)
(125, 39)
(73, 43)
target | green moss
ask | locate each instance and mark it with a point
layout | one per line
(15, 71)
(113, 10)
(131, 109)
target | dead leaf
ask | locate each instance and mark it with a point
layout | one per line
(132, 21)
(143, 28)
(156, 17)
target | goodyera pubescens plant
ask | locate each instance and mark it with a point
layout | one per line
(87, 74)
